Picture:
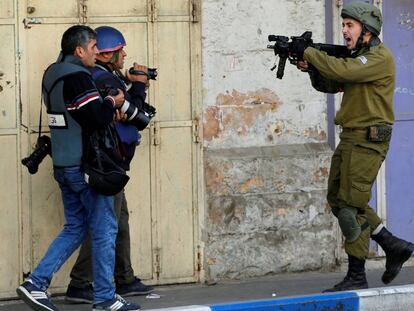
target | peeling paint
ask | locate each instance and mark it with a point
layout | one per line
(211, 123)
(254, 182)
(316, 133)
(241, 119)
(262, 96)
(275, 129)
(281, 212)
(238, 112)
(321, 174)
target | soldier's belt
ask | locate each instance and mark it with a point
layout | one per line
(355, 129)
(375, 133)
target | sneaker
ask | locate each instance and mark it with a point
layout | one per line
(116, 304)
(136, 287)
(36, 298)
(79, 295)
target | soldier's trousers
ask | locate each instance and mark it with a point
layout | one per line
(354, 167)
(81, 274)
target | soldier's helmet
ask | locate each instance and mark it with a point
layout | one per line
(109, 39)
(367, 14)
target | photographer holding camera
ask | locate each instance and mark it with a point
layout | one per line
(76, 113)
(134, 115)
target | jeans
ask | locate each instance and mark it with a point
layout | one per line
(81, 274)
(85, 212)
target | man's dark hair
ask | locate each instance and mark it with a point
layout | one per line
(78, 35)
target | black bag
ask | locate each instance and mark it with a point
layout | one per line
(102, 173)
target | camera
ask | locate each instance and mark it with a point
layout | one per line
(43, 148)
(140, 117)
(152, 73)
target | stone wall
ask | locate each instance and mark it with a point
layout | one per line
(266, 156)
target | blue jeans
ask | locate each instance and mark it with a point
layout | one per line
(85, 211)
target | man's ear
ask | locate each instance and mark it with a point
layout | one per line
(79, 51)
(367, 35)
(107, 55)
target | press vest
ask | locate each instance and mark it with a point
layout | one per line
(66, 133)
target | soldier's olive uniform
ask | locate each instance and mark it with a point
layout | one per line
(367, 80)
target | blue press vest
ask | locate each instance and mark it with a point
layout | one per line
(66, 133)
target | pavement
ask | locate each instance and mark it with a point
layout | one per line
(268, 291)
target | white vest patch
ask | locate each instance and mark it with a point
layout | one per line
(363, 59)
(56, 120)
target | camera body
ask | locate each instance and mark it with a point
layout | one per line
(42, 149)
(152, 73)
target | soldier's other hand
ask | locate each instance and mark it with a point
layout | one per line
(138, 78)
(303, 65)
(119, 98)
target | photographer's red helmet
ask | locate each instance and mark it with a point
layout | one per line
(109, 39)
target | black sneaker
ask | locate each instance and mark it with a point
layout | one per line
(35, 297)
(79, 295)
(116, 304)
(136, 287)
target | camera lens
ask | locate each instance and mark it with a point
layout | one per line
(152, 73)
(130, 110)
(139, 117)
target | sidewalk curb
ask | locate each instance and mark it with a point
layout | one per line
(397, 298)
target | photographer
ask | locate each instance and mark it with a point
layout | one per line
(77, 112)
(108, 78)
(367, 79)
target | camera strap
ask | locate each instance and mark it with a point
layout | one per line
(40, 116)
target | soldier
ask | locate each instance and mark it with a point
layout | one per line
(367, 80)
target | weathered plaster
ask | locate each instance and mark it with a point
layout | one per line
(237, 80)
(265, 141)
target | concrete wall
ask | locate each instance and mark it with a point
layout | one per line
(266, 152)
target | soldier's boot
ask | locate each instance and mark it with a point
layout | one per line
(354, 279)
(397, 252)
